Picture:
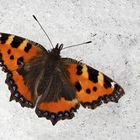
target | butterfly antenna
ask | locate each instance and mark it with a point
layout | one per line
(43, 30)
(78, 44)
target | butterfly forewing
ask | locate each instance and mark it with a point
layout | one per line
(15, 52)
(93, 87)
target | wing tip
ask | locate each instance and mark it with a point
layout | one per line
(117, 93)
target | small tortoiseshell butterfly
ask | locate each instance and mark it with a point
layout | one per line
(56, 86)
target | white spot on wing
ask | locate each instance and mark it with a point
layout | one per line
(113, 84)
(0, 35)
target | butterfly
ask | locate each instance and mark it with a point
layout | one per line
(55, 86)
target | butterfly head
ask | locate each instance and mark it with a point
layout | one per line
(57, 49)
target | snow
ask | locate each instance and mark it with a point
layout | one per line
(115, 50)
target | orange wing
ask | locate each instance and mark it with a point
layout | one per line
(14, 51)
(93, 87)
(57, 110)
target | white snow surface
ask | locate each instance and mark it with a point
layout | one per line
(115, 51)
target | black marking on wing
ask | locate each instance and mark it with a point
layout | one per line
(28, 47)
(107, 82)
(11, 57)
(16, 41)
(20, 60)
(88, 91)
(9, 51)
(93, 74)
(78, 86)
(94, 88)
(4, 38)
(79, 70)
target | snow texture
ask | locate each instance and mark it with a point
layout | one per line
(115, 51)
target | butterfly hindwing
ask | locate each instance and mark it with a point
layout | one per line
(58, 99)
(93, 87)
(14, 53)
(57, 110)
